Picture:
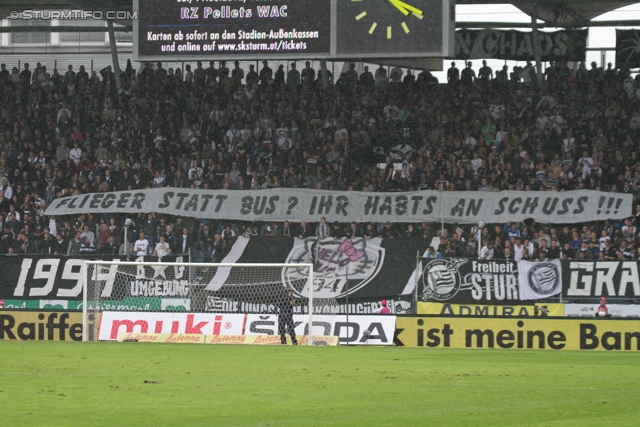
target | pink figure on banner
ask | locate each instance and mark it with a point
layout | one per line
(603, 310)
(347, 248)
(383, 309)
(2, 304)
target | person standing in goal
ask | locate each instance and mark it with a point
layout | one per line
(285, 318)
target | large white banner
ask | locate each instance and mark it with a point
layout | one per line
(381, 327)
(539, 280)
(345, 206)
(114, 323)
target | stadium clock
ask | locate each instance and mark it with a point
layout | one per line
(391, 27)
(369, 15)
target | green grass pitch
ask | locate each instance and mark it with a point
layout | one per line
(135, 384)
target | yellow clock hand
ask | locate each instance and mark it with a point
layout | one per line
(407, 6)
(404, 11)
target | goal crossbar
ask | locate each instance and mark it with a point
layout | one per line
(203, 264)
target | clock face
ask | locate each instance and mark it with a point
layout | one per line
(404, 8)
(389, 26)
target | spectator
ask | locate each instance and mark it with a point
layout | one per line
(444, 243)
(336, 231)
(432, 253)
(228, 233)
(353, 231)
(103, 235)
(272, 230)
(304, 230)
(60, 245)
(529, 249)
(485, 185)
(162, 248)
(250, 232)
(584, 252)
(388, 231)
(518, 250)
(86, 247)
(287, 230)
(383, 309)
(576, 242)
(169, 236)
(206, 238)
(86, 232)
(554, 250)
(218, 246)
(293, 80)
(453, 75)
(512, 230)
(322, 231)
(602, 309)
(184, 242)
(141, 246)
(487, 250)
(609, 251)
(110, 247)
(369, 231)
(507, 254)
(541, 257)
(74, 244)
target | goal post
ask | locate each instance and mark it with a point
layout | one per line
(169, 289)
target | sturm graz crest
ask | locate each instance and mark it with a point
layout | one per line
(441, 279)
(544, 278)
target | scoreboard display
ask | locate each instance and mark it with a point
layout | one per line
(174, 30)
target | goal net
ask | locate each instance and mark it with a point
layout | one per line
(211, 299)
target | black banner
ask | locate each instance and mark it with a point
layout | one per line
(50, 277)
(469, 281)
(366, 270)
(628, 48)
(593, 279)
(363, 269)
(359, 306)
(568, 45)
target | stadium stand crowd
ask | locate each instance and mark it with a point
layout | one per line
(216, 128)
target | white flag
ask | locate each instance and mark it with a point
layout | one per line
(539, 280)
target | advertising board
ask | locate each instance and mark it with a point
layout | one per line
(40, 326)
(444, 309)
(532, 334)
(114, 323)
(309, 29)
(351, 332)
